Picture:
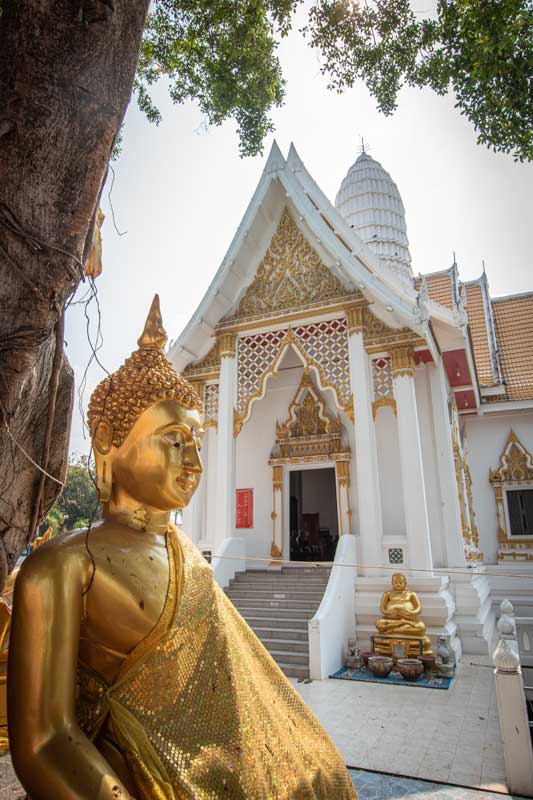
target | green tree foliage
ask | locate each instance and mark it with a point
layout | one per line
(77, 504)
(482, 50)
(220, 53)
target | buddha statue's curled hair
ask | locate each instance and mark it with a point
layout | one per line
(145, 378)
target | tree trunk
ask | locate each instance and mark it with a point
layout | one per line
(66, 74)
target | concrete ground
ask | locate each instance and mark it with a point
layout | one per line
(441, 735)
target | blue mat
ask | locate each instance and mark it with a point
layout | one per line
(363, 674)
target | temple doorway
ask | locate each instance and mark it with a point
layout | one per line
(314, 527)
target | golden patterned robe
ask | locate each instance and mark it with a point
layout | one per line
(201, 710)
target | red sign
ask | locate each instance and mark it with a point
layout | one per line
(244, 508)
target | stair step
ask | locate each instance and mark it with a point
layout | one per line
(281, 613)
(288, 585)
(281, 634)
(293, 670)
(276, 594)
(250, 601)
(276, 623)
(288, 657)
(290, 645)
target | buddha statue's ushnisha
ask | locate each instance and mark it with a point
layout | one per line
(400, 609)
(131, 674)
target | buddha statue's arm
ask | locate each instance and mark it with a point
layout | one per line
(384, 603)
(415, 607)
(52, 756)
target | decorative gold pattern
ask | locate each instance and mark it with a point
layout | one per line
(227, 343)
(211, 393)
(402, 361)
(515, 470)
(322, 345)
(290, 274)
(381, 336)
(382, 384)
(277, 502)
(309, 430)
(206, 367)
(355, 317)
(145, 378)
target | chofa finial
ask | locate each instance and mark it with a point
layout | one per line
(153, 335)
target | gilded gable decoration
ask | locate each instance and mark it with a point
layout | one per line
(514, 472)
(206, 367)
(290, 275)
(310, 432)
(516, 463)
(322, 345)
(379, 336)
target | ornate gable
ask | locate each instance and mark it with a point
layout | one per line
(310, 431)
(207, 366)
(290, 275)
(516, 463)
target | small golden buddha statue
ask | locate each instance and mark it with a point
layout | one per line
(400, 609)
(131, 674)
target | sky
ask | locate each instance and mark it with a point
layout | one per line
(179, 192)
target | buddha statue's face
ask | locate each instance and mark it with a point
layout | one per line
(158, 465)
(398, 582)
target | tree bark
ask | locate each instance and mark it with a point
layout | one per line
(66, 75)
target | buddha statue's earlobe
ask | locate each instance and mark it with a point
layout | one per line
(102, 441)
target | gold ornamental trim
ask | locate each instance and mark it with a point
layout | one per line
(290, 274)
(308, 311)
(355, 318)
(237, 423)
(206, 368)
(402, 360)
(227, 345)
(515, 470)
(290, 339)
(382, 402)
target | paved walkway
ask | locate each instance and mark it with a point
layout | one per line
(374, 786)
(450, 736)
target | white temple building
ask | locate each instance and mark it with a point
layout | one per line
(356, 412)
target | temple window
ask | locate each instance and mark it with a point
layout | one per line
(520, 511)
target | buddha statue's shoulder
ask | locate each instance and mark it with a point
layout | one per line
(62, 554)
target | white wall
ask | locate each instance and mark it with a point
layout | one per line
(254, 444)
(485, 439)
(429, 460)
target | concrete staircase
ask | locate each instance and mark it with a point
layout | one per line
(277, 604)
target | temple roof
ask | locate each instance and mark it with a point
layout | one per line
(513, 317)
(370, 202)
(501, 333)
(286, 186)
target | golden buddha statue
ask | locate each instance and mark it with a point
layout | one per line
(400, 609)
(131, 674)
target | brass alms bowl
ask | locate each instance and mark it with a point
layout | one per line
(380, 666)
(410, 668)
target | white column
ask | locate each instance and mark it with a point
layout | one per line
(414, 490)
(451, 512)
(225, 475)
(369, 500)
(194, 513)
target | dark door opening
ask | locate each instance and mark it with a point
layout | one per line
(314, 527)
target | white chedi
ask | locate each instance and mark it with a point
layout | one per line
(371, 204)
